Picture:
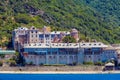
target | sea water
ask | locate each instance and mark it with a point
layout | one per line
(59, 76)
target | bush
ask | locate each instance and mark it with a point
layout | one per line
(74, 63)
(1, 63)
(98, 63)
(41, 64)
(2, 55)
(88, 63)
(31, 63)
(69, 39)
(12, 63)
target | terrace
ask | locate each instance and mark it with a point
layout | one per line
(52, 45)
(65, 45)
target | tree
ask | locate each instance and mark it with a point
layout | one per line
(69, 39)
(1, 63)
(12, 63)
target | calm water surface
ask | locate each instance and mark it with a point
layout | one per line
(59, 76)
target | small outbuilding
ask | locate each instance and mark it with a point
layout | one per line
(109, 66)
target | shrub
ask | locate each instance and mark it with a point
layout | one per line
(31, 63)
(74, 63)
(69, 39)
(12, 63)
(41, 64)
(88, 63)
(98, 63)
(1, 63)
(2, 55)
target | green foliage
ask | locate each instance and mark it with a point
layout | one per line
(1, 63)
(16, 53)
(12, 62)
(2, 55)
(108, 8)
(41, 64)
(22, 18)
(99, 63)
(20, 60)
(31, 63)
(69, 39)
(95, 19)
(88, 63)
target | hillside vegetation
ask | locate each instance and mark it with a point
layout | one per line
(110, 10)
(92, 18)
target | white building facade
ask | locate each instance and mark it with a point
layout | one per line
(46, 47)
(61, 53)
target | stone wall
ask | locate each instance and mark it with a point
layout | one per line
(53, 68)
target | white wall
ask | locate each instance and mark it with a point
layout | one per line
(51, 59)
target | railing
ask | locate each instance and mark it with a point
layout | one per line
(64, 45)
(53, 45)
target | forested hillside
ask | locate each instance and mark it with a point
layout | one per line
(110, 10)
(92, 18)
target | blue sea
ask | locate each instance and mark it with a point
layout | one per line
(59, 76)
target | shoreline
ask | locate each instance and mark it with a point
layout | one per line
(59, 72)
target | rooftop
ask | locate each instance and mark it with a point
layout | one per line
(7, 51)
(21, 28)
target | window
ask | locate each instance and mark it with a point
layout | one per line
(65, 56)
(54, 57)
(71, 57)
(40, 56)
(60, 56)
(50, 57)
(75, 57)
